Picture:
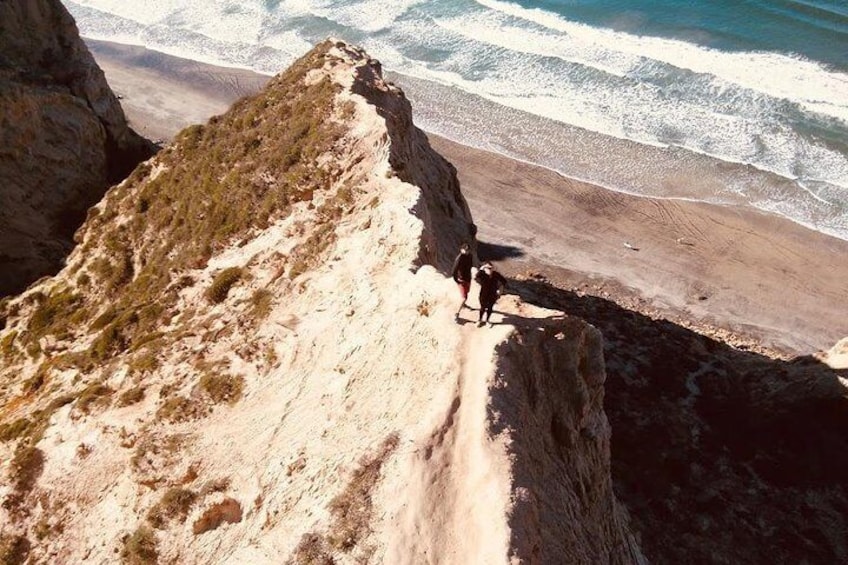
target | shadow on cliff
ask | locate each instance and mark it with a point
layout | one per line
(720, 455)
(497, 252)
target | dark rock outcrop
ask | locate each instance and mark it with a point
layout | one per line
(63, 138)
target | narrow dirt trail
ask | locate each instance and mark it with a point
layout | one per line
(460, 475)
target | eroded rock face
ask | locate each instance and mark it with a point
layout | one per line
(549, 396)
(63, 138)
(720, 454)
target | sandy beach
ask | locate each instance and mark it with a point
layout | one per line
(750, 278)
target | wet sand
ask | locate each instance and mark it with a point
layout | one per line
(749, 278)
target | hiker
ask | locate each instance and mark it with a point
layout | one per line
(491, 285)
(461, 273)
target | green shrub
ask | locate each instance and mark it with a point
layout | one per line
(96, 394)
(140, 548)
(131, 396)
(222, 283)
(174, 505)
(16, 429)
(222, 387)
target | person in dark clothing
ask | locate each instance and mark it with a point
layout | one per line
(461, 273)
(491, 284)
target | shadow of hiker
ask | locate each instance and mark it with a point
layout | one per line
(519, 321)
(704, 433)
(497, 252)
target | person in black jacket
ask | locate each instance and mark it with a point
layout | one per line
(491, 285)
(461, 273)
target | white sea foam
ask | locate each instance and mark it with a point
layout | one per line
(716, 117)
(738, 107)
(780, 76)
(377, 15)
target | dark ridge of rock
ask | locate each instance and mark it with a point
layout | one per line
(63, 139)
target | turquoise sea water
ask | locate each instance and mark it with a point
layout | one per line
(742, 102)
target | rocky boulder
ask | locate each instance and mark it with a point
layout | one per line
(63, 139)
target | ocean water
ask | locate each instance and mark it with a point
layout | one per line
(741, 102)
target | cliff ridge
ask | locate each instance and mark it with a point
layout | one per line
(252, 356)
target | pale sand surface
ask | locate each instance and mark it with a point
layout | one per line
(162, 94)
(750, 277)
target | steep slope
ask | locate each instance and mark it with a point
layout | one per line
(251, 357)
(63, 138)
(721, 454)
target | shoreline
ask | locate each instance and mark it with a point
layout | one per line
(140, 55)
(614, 162)
(718, 268)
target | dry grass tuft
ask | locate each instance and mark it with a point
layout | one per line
(140, 548)
(215, 184)
(27, 465)
(222, 387)
(131, 396)
(35, 383)
(14, 549)
(312, 550)
(261, 302)
(215, 485)
(227, 511)
(14, 430)
(8, 349)
(351, 512)
(181, 409)
(95, 395)
(175, 505)
(55, 314)
(222, 283)
(352, 508)
(24, 470)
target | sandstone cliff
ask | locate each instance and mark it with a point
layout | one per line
(720, 454)
(252, 357)
(63, 138)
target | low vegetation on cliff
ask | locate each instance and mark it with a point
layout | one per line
(94, 336)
